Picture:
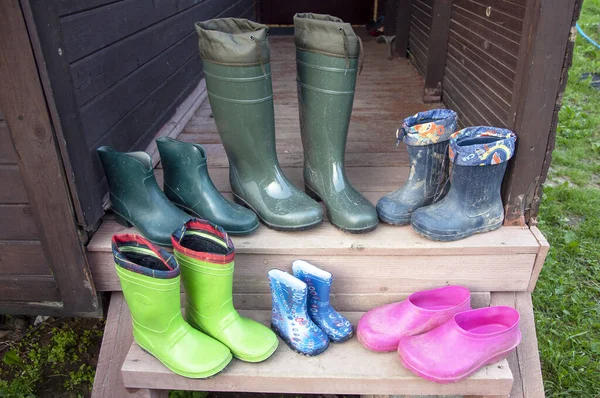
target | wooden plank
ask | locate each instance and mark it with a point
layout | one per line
(463, 118)
(87, 32)
(8, 155)
(101, 113)
(542, 60)
(498, 18)
(361, 302)
(93, 74)
(17, 223)
(339, 370)
(540, 258)
(497, 86)
(28, 288)
(391, 12)
(471, 109)
(509, 299)
(23, 258)
(438, 45)
(515, 9)
(13, 188)
(24, 104)
(66, 7)
(115, 343)
(505, 39)
(404, 271)
(527, 352)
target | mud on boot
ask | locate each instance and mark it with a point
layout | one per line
(318, 281)
(473, 204)
(289, 317)
(426, 136)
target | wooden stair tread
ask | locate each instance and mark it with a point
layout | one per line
(346, 368)
(386, 240)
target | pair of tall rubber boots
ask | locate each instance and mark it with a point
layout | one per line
(203, 344)
(302, 314)
(188, 192)
(443, 207)
(236, 61)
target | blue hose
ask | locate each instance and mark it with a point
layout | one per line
(582, 33)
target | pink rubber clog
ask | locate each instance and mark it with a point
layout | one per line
(381, 328)
(462, 345)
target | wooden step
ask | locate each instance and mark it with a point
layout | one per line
(375, 267)
(346, 368)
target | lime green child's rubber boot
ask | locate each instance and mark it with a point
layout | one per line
(205, 253)
(150, 280)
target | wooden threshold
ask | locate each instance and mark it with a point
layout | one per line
(346, 368)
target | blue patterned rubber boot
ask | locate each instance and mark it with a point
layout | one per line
(289, 318)
(426, 136)
(336, 326)
(473, 205)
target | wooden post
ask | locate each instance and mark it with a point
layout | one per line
(438, 48)
(22, 100)
(390, 17)
(403, 14)
(544, 58)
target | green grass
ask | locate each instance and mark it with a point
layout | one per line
(567, 297)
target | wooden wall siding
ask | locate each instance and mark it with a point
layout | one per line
(121, 70)
(482, 58)
(24, 272)
(418, 42)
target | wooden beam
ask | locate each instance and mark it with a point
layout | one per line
(22, 100)
(544, 58)
(438, 49)
(391, 12)
(403, 15)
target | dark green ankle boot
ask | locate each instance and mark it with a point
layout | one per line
(136, 198)
(235, 56)
(327, 52)
(188, 185)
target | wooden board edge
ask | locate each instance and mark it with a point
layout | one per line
(184, 112)
(528, 356)
(118, 330)
(540, 257)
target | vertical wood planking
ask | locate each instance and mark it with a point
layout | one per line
(22, 100)
(542, 57)
(438, 46)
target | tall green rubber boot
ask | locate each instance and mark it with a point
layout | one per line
(327, 59)
(205, 254)
(136, 198)
(235, 55)
(150, 281)
(188, 185)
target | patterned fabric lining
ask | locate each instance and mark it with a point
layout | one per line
(123, 243)
(426, 128)
(481, 146)
(206, 230)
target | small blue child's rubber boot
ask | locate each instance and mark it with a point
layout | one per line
(426, 136)
(289, 318)
(473, 204)
(337, 327)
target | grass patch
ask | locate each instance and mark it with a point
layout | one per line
(567, 297)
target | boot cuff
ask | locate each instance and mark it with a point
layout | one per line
(203, 241)
(429, 127)
(325, 34)
(481, 146)
(137, 254)
(233, 41)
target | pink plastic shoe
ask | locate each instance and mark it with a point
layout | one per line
(381, 328)
(462, 345)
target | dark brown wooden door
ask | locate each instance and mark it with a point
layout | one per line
(277, 12)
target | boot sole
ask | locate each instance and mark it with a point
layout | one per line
(289, 344)
(200, 375)
(453, 236)
(299, 228)
(233, 233)
(315, 196)
(394, 221)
